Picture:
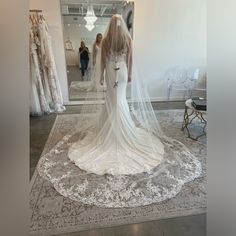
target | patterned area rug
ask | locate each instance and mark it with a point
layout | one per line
(76, 92)
(52, 213)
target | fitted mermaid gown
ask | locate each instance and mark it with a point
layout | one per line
(118, 146)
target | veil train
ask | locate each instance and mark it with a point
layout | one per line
(118, 155)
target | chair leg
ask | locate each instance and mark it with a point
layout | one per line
(168, 94)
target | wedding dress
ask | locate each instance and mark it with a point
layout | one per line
(45, 90)
(119, 147)
(51, 80)
(38, 102)
(117, 155)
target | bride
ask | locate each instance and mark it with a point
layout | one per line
(119, 147)
(97, 62)
(119, 156)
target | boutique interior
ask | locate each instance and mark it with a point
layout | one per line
(118, 145)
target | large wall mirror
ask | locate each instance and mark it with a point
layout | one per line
(76, 30)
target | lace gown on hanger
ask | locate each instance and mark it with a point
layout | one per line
(45, 94)
(119, 147)
(38, 102)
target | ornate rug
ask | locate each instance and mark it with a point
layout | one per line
(76, 92)
(52, 213)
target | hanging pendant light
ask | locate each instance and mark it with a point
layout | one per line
(90, 18)
(89, 27)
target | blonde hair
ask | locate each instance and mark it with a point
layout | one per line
(117, 40)
(117, 37)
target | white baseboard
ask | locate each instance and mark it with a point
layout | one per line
(153, 99)
(165, 99)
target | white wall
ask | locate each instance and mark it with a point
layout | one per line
(52, 14)
(169, 33)
(76, 34)
(166, 33)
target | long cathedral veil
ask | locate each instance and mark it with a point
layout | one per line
(136, 188)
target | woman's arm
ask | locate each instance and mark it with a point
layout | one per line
(130, 61)
(103, 63)
(94, 54)
(81, 50)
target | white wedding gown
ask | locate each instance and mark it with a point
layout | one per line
(110, 161)
(45, 93)
(119, 147)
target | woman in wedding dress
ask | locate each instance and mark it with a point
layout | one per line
(96, 73)
(119, 156)
(119, 147)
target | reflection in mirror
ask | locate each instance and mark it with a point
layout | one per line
(82, 42)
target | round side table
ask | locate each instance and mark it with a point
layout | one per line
(191, 114)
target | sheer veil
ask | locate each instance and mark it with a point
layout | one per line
(125, 187)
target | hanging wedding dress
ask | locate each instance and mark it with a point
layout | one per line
(38, 102)
(118, 156)
(45, 94)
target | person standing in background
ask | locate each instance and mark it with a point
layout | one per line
(84, 58)
(96, 47)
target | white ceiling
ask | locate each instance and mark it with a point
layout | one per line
(80, 20)
(90, 1)
(73, 11)
(105, 8)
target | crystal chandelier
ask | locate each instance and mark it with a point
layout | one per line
(90, 18)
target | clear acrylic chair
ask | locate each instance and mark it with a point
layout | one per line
(182, 80)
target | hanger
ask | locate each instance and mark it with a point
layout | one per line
(41, 17)
(36, 15)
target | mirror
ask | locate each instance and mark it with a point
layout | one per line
(81, 59)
